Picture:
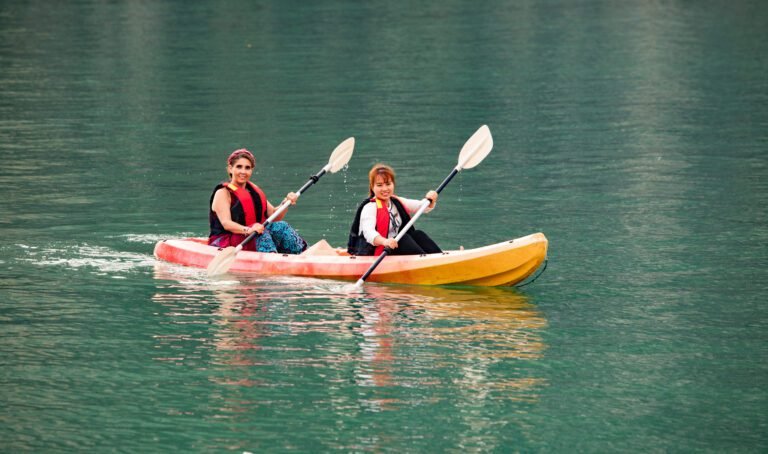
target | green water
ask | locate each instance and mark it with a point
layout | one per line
(633, 134)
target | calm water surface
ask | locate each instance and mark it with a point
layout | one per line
(633, 134)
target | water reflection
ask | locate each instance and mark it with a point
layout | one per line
(389, 348)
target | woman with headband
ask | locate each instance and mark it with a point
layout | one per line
(380, 216)
(239, 207)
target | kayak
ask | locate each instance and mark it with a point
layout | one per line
(506, 263)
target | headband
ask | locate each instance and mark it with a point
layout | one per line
(241, 153)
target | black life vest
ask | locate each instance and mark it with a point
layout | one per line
(236, 210)
(357, 244)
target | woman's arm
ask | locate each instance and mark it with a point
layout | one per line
(368, 228)
(413, 205)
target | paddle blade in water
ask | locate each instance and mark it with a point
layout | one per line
(476, 148)
(357, 287)
(223, 260)
(341, 155)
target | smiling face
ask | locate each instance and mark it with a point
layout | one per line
(240, 171)
(383, 187)
(381, 181)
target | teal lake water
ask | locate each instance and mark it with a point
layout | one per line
(633, 134)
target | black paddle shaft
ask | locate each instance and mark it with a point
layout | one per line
(375, 264)
(447, 180)
(312, 180)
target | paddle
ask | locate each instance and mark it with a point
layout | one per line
(339, 158)
(472, 153)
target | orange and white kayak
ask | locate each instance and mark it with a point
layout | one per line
(505, 263)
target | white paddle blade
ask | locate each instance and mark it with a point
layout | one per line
(476, 148)
(223, 260)
(341, 155)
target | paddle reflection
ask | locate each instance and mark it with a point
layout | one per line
(297, 332)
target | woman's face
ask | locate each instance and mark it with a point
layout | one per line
(241, 171)
(383, 187)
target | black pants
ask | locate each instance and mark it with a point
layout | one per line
(415, 242)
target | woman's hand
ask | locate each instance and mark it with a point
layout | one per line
(292, 197)
(390, 243)
(432, 197)
(258, 228)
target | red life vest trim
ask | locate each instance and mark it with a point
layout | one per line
(261, 217)
(382, 224)
(246, 201)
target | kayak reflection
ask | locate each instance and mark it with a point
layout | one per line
(297, 332)
(472, 328)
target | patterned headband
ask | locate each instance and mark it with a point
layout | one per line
(241, 153)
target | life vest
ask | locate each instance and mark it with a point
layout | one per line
(248, 206)
(357, 244)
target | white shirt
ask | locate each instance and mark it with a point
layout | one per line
(368, 218)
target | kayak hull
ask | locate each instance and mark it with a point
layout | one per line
(505, 263)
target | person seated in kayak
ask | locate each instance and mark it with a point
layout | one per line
(239, 207)
(381, 215)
